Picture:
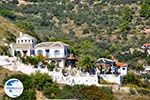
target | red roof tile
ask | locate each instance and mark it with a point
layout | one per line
(120, 64)
(147, 44)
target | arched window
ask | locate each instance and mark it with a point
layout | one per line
(65, 52)
(47, 52)
(56, 52)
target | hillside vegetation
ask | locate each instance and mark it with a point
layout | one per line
(93, 28)
(8, 31)
(3, 74)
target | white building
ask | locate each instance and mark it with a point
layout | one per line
(55, 51)
(122, 68)
(107, 66)
(146, 70)
(111, 71)
(146, 48)
(26, 45)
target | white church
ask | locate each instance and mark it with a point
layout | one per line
(27, 45)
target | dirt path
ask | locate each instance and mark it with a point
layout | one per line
(130, 97)
(39, 96)
(21, 2)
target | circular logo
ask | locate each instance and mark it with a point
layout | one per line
(13, 88)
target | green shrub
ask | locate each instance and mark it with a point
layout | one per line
(10, 37)
(41, 81)
(29, 91)
(96, 93)
(8, 14)
(143, 92)
(25, 60)
(85, 31)
(145, 9)
(139, 67)
(26, 25)
(51, 66)
(52, 91)
(107, 90)
(4, 50)
(131, 78)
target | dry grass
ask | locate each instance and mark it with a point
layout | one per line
(7, 27)
(130, 97)
(5, 73)
(40, 96)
